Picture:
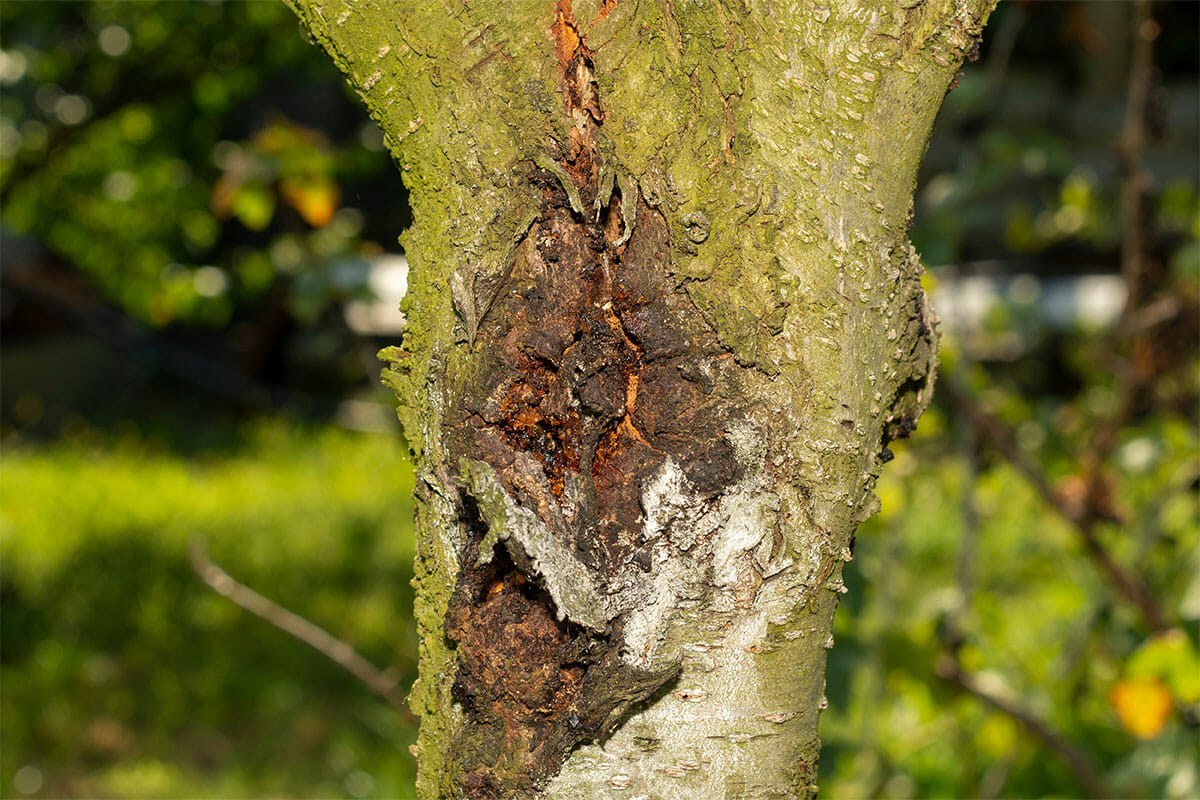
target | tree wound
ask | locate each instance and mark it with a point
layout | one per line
(589, 371)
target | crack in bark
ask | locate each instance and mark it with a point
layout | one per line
(589, 372)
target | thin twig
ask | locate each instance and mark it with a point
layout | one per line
(1001, 45)
(1136, 182)
(1138, 267)
(384, 683)
(1080, 764)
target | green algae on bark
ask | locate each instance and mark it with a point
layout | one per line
(665, 318)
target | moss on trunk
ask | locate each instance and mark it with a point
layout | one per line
(666, 317)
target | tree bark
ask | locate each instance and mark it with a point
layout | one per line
(666, 319)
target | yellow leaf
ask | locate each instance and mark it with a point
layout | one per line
(316, 198)
(1142, 704)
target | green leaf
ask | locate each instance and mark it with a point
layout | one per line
(1172, 657)
(254, 205)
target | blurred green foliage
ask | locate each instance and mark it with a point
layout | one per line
(1043, 626)
(126, 676)
(205, 144)
(1024, 164)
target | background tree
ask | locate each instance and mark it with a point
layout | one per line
(668, 321)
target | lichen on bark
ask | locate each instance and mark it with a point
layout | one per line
(665, 320)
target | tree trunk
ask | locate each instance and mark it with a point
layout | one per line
(665, 320)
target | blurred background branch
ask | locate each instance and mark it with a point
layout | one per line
(385, 683)
(1084, 509)
(1082, 766)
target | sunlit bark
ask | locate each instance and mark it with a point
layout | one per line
(665, 319)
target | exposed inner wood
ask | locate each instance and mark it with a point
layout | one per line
(589, 371)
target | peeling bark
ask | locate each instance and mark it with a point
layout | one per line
(669, 321)
(590, 370)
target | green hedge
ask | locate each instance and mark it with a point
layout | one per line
(125, 676)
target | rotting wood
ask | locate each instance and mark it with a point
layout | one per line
(591, 370)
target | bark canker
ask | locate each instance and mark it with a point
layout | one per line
(590, 374)
(590, 369)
